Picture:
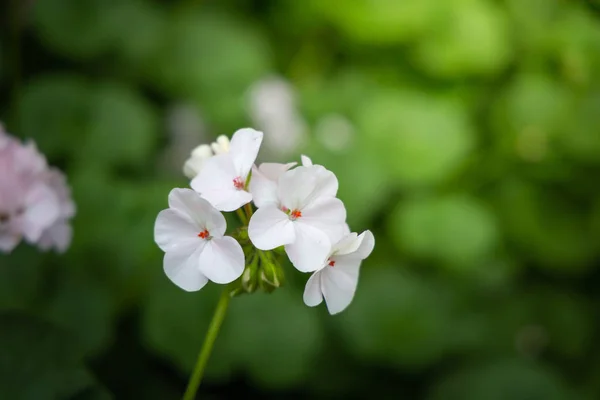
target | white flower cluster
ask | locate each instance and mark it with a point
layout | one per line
(296, 209)
(35, 201)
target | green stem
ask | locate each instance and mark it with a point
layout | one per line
(209, 341)
(242, 216)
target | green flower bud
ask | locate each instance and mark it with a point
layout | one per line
(271, 274)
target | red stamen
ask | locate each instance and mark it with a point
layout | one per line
(296, 214)
(204, 234)
(332, 263)
(238, 183)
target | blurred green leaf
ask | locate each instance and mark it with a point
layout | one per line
(457, 230)
(79, 28)
(39, 361)
(208, 53)
(396, 319)
(122, 127)
(53, 111)
(502, 379)
(381, 21)
(421, 139)
(470, 37)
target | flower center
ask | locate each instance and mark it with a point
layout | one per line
(204, 234)
(238, 183)
(293, 214)
(331, 263)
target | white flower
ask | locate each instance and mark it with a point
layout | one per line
(337, 279)
(263, 184)
(303, 215)
(222, 179)
(190, 232)
(200, 154)
(221, 146)
(194, 164)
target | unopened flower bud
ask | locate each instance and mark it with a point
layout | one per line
(271, 274)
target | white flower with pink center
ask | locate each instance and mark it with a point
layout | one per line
(303, 215)
(191, 233)
(337, 279)
(222, 179)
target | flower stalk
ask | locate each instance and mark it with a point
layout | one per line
(207, 346)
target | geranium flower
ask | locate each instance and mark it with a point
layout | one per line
(190, 232)
(337, 279)
(303, 217)
(59, 234)
(200, 154)
(222, 179)
(28, 205)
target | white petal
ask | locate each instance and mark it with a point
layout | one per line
(270, 228)
(221, 145)
(296, 187)
(198, 210)
(312, 291)
(366, 246)
(243, 149)
(327, 183)
(263, 189)
(222, 260)
(306, 161)
(174, 230)
(182, 269)
(339, 284)
(42, 209)
(348, 244)
(310, 249)
(273, 171)
(327, 214)
(215, 183)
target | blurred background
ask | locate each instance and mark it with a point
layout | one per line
(465, 134)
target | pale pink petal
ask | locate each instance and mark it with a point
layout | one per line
(328, 214)
(174, 230)
(182, 269)
(339, 284)
(216, 183)
(198, 210)
(313, 295)
(8, 241)
(310, 249)
(222, 260)
(41, 211)
(58, 236)
(243, 149)
(270, 228)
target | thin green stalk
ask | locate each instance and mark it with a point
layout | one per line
(242, 216)
(209, 341)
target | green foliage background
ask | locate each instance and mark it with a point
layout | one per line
(474, 157)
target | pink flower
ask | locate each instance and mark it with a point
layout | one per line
(59, 234)
(31, 201)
